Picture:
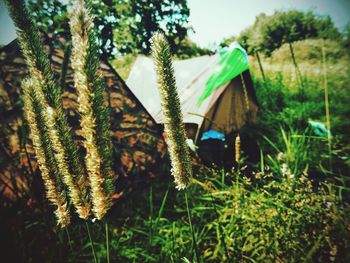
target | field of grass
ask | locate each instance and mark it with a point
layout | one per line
(290, 102)
(293, 206)
(267, 217)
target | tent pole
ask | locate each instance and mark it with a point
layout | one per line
(245, 92)
(197, 134)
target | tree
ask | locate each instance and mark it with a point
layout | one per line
(346, 38)
(51, 16)
(105, 22)
(270, 32)
(189, 49)
(227, 41)
(142, 18)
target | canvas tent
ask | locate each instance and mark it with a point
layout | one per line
(226, 107)
(139, 148)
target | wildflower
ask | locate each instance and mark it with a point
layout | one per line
(280, 156)
(333, 252)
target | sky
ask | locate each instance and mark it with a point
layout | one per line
(214, 20)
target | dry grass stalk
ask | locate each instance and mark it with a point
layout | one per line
(238, 148)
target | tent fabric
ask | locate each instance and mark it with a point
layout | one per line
(140, 152)
(233, 61)
(230, 111)
(191, 77)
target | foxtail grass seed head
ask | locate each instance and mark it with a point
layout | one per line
(76, 193)
(71, 177)
(238, 149)
(48, 93)
(44, 153)
(32, 49)
(86, 82)
(76, 190)
(173, 120)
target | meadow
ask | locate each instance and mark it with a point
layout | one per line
(290, 206)
(293, 206)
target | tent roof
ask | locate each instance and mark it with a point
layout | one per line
(191, 76)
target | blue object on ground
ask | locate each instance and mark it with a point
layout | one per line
(319, 128)
(212, 134)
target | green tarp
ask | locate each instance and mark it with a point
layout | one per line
(232, 62)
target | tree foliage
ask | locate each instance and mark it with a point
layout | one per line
(140, 19)
(189, 49)
(51, 16)
(346, 38)
(268, 33)
(125, 26)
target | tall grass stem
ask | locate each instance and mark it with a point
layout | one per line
(297, 70)
(299, 79)
(245, 91)
(260, 66)
(69, 240)
(151, 212)
(194, 242)
(223, 236)
(173, 241)
(326, 101)
(107, 243)
(91, 242)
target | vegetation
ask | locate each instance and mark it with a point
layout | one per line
(94, 119)
(141, 19)
(346, 38)
(268, 33)
(280, 101)
(123, 26)
(291, 206)
(171, 108)
(51, 16)
(52, 137)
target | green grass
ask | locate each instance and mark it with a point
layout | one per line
(263, 217)
(275, 213)
(290, 207)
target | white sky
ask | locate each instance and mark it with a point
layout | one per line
(214, 20)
